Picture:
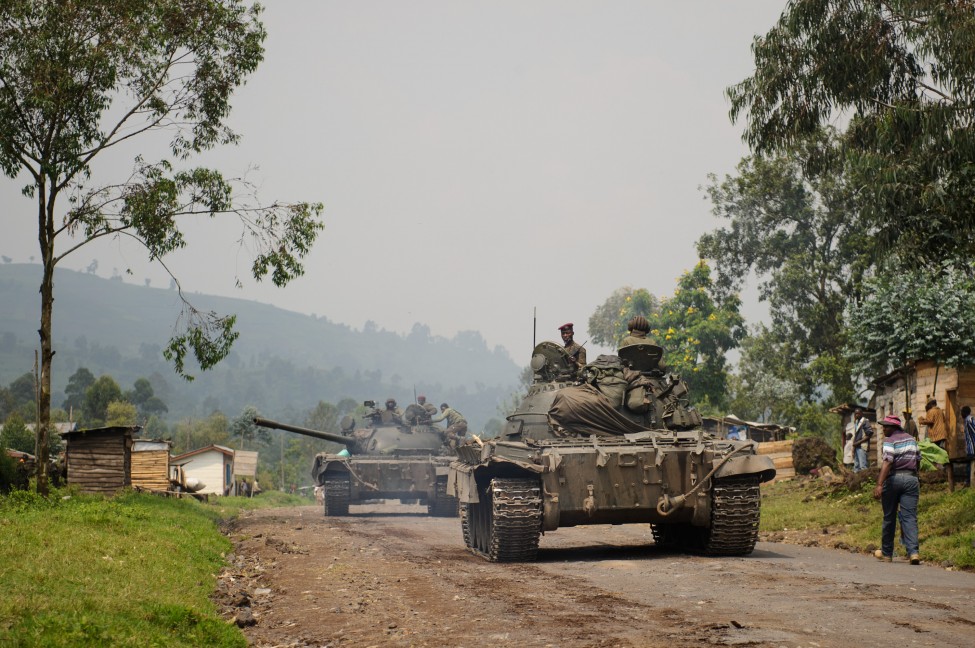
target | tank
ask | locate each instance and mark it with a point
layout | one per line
(617, 445)
(401, 458)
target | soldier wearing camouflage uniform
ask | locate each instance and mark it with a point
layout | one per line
(456, 424)
(577, 352)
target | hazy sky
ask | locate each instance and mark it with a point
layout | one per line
(477, 160)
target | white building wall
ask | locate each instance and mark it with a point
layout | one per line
(208, 467)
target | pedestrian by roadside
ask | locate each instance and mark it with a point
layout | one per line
(848, 448)
(898, 489)
(934, 418)
(968, 424)
(862, 433)
(910, 425)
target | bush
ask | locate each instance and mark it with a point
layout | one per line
(8, 471)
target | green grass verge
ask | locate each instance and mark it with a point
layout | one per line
(133, 570)
(846, 517)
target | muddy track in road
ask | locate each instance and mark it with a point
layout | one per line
(388, 575)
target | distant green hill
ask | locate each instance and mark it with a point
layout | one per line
(283, 362)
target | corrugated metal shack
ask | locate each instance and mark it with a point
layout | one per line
(99, 460)
(732, 427)
(150, 465)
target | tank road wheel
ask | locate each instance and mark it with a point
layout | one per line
(442, 504)
(735, 511)
(336, 493)
(506, 524)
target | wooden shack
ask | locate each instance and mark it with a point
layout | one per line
(913, 385)
(780, 452)
(99, 460)
(245, 472)
(150, 465)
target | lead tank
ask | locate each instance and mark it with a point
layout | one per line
(619, 445)
(384, 458)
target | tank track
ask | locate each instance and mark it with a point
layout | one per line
(736, 505)
(735, 513)
(506, 524)
(442, 504)
(337, 490)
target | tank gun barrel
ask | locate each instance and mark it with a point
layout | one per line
(348, 442)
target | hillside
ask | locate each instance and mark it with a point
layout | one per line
(283, 362)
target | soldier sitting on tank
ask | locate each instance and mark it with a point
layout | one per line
(392, 415)
(456, 424)
(576, 351)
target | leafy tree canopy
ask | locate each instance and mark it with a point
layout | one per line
(901, 74)
(797, 229)
(121, 413)
(607, 325)
(696, 330)
(923, 314)
(97, 398)
(78, 384)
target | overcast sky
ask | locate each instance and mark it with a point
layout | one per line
(477, 160)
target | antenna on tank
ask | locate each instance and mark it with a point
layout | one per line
(534, 323)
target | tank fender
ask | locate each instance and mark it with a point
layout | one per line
(760, 465)
(462, 484)
(550, 508)
(328, 463)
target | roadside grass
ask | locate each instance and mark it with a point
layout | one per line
(809, 511)
(133, 570)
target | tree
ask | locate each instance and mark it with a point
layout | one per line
(696, 329)
(900, 72)
(97, 397)
(908, 316)
(757, 390)
(79, 78)
(143, 397)
(78, 384)
(797, 228)
(607, 325)
(22, 390)
(243, 427)
(192, 434)
(121, 413)
(17, 436)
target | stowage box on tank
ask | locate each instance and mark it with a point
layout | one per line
(621, 445)
(383, 459)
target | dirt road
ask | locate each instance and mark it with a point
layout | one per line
(388, 575)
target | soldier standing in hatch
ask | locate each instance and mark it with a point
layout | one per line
(391, 414)
(638, 328)
(577, 352)
(456, 424)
